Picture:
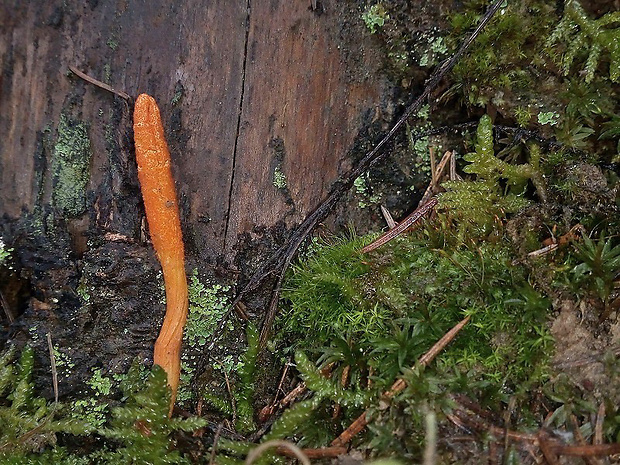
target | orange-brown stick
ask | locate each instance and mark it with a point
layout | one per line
(162, 214)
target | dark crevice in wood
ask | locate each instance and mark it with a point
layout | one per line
(239, 115)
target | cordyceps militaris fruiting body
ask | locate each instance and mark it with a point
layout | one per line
(162, 214)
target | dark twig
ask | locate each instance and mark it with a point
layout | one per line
(550, 447)
(546, 449)
(581, 441)
(281, 259)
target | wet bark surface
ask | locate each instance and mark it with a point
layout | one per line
(262, 104)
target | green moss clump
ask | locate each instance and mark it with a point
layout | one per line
(503, 60)
(579, 35)
(243, 390)
(70, 167)
(27, 422)
(5, 253)
(247, 372)
(327, 295)
(141, 425)
(374, 17)
(477, 205)
(136, 430)
(598, 268)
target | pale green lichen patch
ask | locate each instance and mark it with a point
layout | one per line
(279, 178)
(70, 166)
(374, 17)
(207, 306)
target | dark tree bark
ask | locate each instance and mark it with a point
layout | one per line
(247, 89)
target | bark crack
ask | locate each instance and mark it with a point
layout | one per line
(239, 114)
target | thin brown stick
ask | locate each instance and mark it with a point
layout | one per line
(360, 422)
(268, 410)
(441, 344)
(98, 83)
(548, 446)
(466, 420)
(358, 425)
(50, 347)
(598, 428)
(344, 380)
(294, 394)
(581, 441)
(215, 441)
(231, 396)
(507, 415)
(492, 453)
(432, 187)
(408, 222)
(434, 176)
(591, 450)
(546, 449)
(297, 391)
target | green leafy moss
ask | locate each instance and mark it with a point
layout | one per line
(503, 59)
(27, 422)
(135, 431)
(477, 205)
(247, 374)
(243, 390)
(141, 425)
(598, 267)
(579, 35)
(425, 291)
(326, 296)
(5, 252)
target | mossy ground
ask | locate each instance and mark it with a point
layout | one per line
(526, 246)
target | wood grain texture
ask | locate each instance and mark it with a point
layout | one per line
(245, 88)
(298, 80)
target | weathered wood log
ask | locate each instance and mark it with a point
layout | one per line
(261, 102)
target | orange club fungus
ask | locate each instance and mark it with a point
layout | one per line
(162, 214)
